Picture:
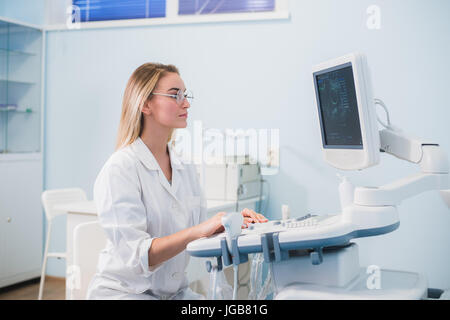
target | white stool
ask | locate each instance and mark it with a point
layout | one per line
(51, 198)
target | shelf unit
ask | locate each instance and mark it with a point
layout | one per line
(21, 50)
(22, 56)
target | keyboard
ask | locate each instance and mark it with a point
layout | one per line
(308, 221)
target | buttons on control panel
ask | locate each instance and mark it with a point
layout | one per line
(280, 225)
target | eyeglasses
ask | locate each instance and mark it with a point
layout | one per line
(180, 96)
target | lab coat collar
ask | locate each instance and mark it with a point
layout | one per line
(144, 154)
(174, 158)
(176, 166)
(148, 159)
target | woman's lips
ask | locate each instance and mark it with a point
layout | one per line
(184, 115)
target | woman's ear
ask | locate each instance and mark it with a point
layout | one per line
(147, 108)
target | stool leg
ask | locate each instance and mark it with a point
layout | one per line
(44, 264)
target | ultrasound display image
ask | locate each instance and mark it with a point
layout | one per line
(338, 108)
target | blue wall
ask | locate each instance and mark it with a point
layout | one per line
(257, 75)
(27, 11)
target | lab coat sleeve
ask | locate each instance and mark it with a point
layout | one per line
(121, 212)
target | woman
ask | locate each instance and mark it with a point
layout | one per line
(149, 203)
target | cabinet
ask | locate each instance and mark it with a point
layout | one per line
(20, 88)
(21, 169)
(21, 226)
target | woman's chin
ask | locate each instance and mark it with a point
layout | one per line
(181, 124)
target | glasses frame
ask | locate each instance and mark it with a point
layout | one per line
(179, 97)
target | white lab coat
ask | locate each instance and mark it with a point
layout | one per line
(136, 204)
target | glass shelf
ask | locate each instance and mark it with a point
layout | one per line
(27, 110)
(20, 88)
(12, 81)
(13, 52)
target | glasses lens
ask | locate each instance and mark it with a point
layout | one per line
(184, 95)
(180, 96)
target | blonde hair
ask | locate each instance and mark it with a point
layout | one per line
(137, 92)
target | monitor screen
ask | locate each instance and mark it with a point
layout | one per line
(338, 108)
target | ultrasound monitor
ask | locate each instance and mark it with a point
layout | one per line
(350, 138)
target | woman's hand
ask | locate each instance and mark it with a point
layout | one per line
(214, 225)
(211, 226)
(251, 216)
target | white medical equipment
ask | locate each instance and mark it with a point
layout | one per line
(348, 123)
(312, 256)
(232, 181)
(232, 222)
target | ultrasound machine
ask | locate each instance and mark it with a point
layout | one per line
(313, 257)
